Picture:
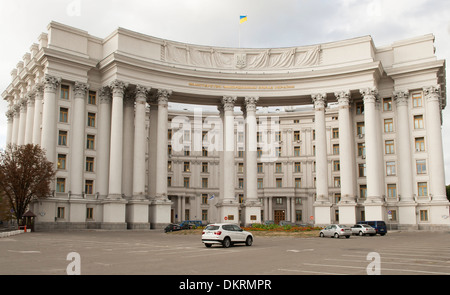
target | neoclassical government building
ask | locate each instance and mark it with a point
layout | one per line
(144, 131)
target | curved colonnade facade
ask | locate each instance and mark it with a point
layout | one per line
(145, 131)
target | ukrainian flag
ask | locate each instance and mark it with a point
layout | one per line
(243, 18)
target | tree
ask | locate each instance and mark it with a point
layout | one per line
(25, 175)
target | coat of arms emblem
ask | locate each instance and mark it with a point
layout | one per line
(240, 60)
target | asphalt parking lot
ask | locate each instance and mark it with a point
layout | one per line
(156, 253)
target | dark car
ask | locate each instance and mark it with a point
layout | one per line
(378, 225)
(188, 224)
(172, 227)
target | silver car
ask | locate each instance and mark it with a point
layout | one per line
(363, 229)
(336, 231)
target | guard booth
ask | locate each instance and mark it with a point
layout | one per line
(28, 220)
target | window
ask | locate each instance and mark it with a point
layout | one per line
(389, 146)
(204, 199)
(423, 215)
(62, 138)
(387, 104)
(258, 152)
(204, 151)
(169, 181)
(296, 135)
(362, 170)
(298, 215)
(205, 136)
(241, 198)
(278, 168)
(205, 167)
(89, 164)
(279, 201)
(421, 166)
(60, 212)
(392, 190)
(186, 182)
(420, 144)
(89, 187)
(169, 166)
(62, 161)
(359, 108)
(278, 151)
(337, 199)
(187, 151)
(296, 121)
(335, 149)
(260, 183)
(204, 182)
(169, 134)
(360, 131)
(240, 153)
(337, 182)
(240, 137)
(169, 150)
(422, 188)
(204, 215)
(91, 120)
(90, 142)
(336, 166)
(335, 133)
(362, 149)
(298, 167)
(279, 182)
(187, 167)
(390, 168)
(418, 122)
(89, 213)
(363, 191)
(278, 136)
(259, 167)
(241, 183)
(388, 125)
(297, 151)
(64, 92)
(240, 167)
(187, 135)
(417, 100)
(298, 182)
(63, 115)
(92, 98)
(258, 137)
(60, 185)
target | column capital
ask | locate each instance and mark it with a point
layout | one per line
(343, 98)
(228, 102)
(118, 87)
(319, 100)
(250, 103)
(432, 92)
(10, 115)
(51, 83)
(141, 93)
(80, 89)
(369, 94)
(104, 93)
(401, 97)
(162, 96)
(38, 91)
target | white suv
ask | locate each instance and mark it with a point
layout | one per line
(225, 234)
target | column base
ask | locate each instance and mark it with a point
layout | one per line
(347, 213)
(137, 214)
(252, 213)
(114, 214)
(374, 210)
(159, 213)
(407, 214)
(77, 211)
(322, 213)
(228, 211)
(439, 213)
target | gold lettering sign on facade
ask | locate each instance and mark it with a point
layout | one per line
(242, 87)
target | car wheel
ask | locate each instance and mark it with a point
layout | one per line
(208, 245)
(226, 242)
(249, 241)
(361, 233)
(347, 237)
(336, 235)
(322, 235)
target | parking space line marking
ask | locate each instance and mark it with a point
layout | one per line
(383, 269)
(310, 271)
(24, 252)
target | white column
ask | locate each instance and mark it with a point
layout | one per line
(137, 207)
(77, 158)
(128, 144)
(22, 121)
(347, 205)
(10, 120)
(373, 204)
(228, 206)
(322, 205)
(160, 205)
(30, 119)
(104, 139)
(407, 206)
(16, 120)
(114, 206)
(37, 118)
(49, 117)
(434, 143)
(252, 205)
(140, 144)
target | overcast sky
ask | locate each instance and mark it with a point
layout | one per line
(271, 23)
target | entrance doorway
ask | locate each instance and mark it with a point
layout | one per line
(279, 215)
